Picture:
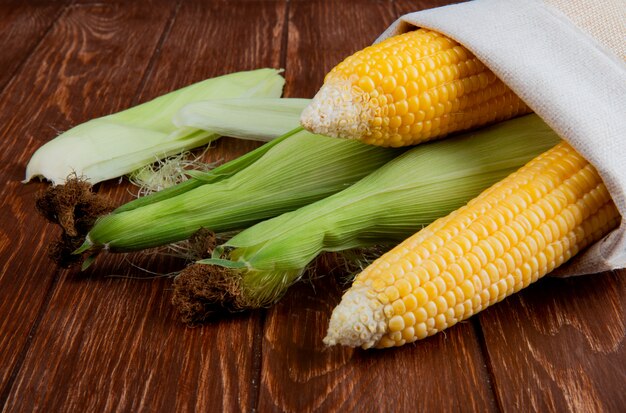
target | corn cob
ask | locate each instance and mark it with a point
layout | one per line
(299, 169)
(409, 89)
(383, 208)
(514, 233)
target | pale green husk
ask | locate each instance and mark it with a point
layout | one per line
(296, 170)
(198, 179)
(243, 119)
(385, 207)
(114, 145)
(260, 119)
(252, 119)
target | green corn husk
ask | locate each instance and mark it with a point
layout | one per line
(260, 119)
(294, 171)
(74, 202)
(255, 267)
(120, 143)
(243, 118)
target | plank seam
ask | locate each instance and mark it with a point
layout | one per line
(484, 352)
(285, 36)
(4, 395)
(157, 52)
(257, 344)
(27, 57)
(257, 362)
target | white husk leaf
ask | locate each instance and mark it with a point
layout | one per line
(260, 119)
(120, 143)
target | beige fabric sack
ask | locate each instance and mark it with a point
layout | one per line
(565, 59)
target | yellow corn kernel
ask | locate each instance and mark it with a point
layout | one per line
(557, 205)
(440, 84)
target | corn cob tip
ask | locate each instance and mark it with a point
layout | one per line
(338, 110)
(359, 320)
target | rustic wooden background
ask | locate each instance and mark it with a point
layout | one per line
(86, 342)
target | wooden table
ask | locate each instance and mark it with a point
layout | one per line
(87, 342)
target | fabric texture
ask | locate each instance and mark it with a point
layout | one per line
(565, 59)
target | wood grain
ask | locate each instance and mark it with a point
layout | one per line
(70, 68)
(74, 74)
(118, 340)
(561, 344)
(23, 23)
(299, 374)
(324, 32)
(100, 350)
(444, 373)
(109, 340)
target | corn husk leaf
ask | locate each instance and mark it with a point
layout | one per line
(260, 119)
(120, 143)
(231, 125)
(252, 119)
(294, 171)
(385, 207)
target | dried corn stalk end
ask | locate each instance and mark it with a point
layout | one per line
(201, 291)
(205, 290)
(408, 89)
(75, 208)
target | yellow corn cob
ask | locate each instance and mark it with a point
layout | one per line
(512, 234)
(409, 89)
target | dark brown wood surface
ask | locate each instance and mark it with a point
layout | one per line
(109, 340)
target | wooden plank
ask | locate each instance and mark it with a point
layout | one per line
(324, 32)
(74, 74)
(23, 23)
(559, 345)
(442, 373)
(98, 349)
(116, 343)
(299, 374)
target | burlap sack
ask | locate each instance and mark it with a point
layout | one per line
(565, 59)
